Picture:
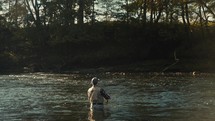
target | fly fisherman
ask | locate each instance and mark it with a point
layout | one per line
(96, 95)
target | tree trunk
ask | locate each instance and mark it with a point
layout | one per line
(187, 14)
(167, 10)
(93, 13)
(201, 22)
(159, 12)
(152, 11)
(16, 14)
(36, 16)
(37, 12)
(144, 12)
(30, 10)
(182, 14)
(127, 12)
(81, 12)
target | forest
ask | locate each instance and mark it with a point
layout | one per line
(116, 35)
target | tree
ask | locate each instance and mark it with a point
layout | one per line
(16, 13)
(1, 17)
(108, 6)
(89, 11)
(68, 11)
(33, 7)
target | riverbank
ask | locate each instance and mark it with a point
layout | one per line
(204, 66)
(160, 66)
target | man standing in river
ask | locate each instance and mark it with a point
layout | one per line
(96, 95)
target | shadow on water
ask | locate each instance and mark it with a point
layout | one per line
(135, 96)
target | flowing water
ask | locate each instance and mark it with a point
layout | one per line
(134, 97)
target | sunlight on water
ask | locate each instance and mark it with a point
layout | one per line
(62, 97)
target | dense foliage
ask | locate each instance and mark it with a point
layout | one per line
(56, 35)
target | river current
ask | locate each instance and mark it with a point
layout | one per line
(134, 97)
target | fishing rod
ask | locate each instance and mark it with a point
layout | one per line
(166, 68)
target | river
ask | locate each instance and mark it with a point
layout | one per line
(134, 97)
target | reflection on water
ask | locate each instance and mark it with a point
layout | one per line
(99, 114)
(62, 97)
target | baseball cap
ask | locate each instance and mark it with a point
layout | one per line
(94, 80)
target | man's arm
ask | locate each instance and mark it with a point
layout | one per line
(89, 92)
(104, 94)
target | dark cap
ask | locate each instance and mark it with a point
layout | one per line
(94, 80)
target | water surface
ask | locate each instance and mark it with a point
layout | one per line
(135, 96)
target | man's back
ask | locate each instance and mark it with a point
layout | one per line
(95, 96)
